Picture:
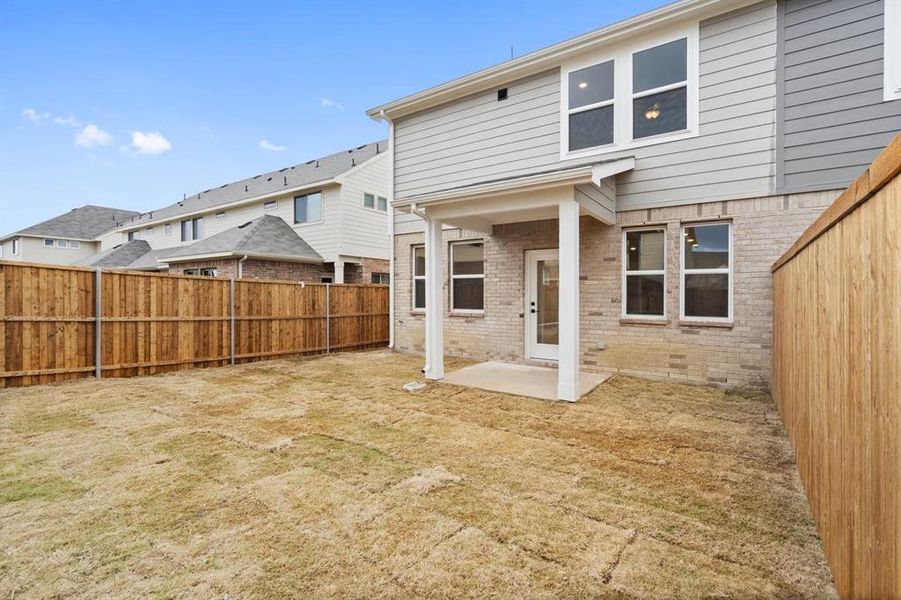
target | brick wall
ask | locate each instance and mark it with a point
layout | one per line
(362, 273)
(738, 355)
(259, 269)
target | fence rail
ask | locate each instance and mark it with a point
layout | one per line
(59, 323)
(837, 375)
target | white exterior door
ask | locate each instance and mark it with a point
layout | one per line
(541, 302)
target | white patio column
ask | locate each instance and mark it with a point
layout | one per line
(434, 301)
(339, 271)
(568, 289)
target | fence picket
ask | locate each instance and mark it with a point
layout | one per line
(51, 317)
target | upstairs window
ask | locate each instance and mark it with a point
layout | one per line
(168, 229)
(308, 208)
(591, 92)
(368, 200)
(192, 229)
(132, 235)
(660, 89)
(382, 204)
(16, 247)
(48, 243)
(638, 95)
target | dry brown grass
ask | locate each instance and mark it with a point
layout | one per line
(322, 478)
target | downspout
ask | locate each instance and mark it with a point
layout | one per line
(391, 277)
(241, 267)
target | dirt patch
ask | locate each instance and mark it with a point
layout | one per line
(322, 478)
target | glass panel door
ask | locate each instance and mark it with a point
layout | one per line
(541, 299)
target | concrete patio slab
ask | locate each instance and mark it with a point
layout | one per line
(521, 380)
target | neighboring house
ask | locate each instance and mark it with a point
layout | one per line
(333, 212)
(66, 239)
(615, 201)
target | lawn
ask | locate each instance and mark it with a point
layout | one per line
(323, 478)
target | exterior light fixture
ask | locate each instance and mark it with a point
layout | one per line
(632, 248)
(653, 112)
(583, 85)
(695, 245)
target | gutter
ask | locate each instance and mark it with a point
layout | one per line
(241, 267)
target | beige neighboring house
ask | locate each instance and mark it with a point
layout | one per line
(324, 220)
(65, 239)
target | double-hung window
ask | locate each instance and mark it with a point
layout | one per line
(308, 208)
(467, 277)
(660, 89)
(706, 286)
(644, 273)
(418, 277)
(590, 107)
(634, 96)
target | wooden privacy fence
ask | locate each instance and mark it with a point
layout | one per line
(837, 375)
(151, 323)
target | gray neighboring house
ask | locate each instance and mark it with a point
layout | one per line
(615, 201)
(65, 239)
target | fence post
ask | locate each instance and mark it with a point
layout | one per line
(231, 334)
(98, 286)
(328, 318)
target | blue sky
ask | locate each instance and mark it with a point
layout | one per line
(134, 104)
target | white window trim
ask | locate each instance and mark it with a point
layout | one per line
(625, 273)
(270, 205)
(321, 209)
(466, 311)
(377, 209)
(16, 247)
(891, 32)
(74, 244)
(622, 96)
(51, 244)
(683, 271)
(167, 229)
(221, 214)
(375, 203)
(413, 306)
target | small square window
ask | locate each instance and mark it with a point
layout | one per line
(74, 244)
(502, 94)
(368, 200)
(380, 278)
(49, 243)
(220, 215)
(271, 205)
(62, 243)
(167, 229)
(383, 204)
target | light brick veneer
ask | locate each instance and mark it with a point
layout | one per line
(763, 228)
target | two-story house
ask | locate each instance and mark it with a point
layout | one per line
(65, 239)
(615, 201)
(325, 220)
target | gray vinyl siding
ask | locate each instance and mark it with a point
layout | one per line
(479, 138)
(832, 115)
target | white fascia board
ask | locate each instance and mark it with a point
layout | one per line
(609, 169)
(46, 237)
(550, 57)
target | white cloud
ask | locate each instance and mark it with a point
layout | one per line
(270, 147)
(33, 115)
(66, 121)
(330, 105)
(151, 142)
(92, 136)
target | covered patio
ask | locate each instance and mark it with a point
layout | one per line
(519, 380)
(562, 194)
